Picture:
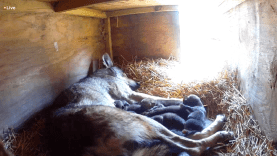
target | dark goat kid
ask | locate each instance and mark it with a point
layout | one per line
(189, 114)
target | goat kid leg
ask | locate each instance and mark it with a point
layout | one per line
(193, 147)
(152, 100)
(211, 129)
(211, 141)
(197, 147)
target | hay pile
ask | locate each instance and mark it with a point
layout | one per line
(219, 95)
(28, 141)
(249, 138)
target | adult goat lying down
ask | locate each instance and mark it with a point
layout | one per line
(85, 121)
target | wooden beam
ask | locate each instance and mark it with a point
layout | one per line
(48, 0)
(87, 12)
(110, 38)
(142, 10)
(74, 4)
(228, 5)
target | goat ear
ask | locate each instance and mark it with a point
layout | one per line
(107, 60)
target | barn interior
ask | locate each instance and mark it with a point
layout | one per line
(224, 51)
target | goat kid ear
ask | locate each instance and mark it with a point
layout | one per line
(107, 60)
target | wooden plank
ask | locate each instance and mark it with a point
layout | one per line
(87, 12)
(48, 0)
(153, 35)
(130, 4)
(21, 6)
(228, 5)
(142, 10)
(110, 38)
(32, 71)
(73, 4)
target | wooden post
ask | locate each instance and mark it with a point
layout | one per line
(110, 38)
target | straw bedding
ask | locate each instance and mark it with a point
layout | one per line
(220, 96)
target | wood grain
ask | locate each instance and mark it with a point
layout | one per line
(130, 4)
(87, 12)
(142, 10)
(32, 70)
(73, 4)
(151, 35)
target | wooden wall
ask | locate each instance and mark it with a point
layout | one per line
(253, 35)
(152, 35)
(40, 55)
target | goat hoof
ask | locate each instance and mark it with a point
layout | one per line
(227, 135)
(221, 117)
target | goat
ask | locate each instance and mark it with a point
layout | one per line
(85, 122)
